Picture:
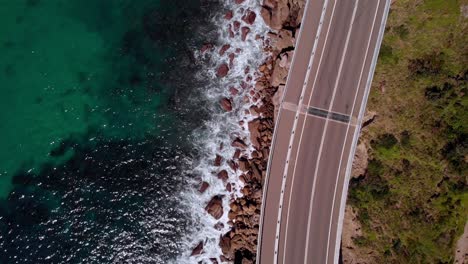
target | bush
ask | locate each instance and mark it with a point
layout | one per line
(430, 64)
(386, 141)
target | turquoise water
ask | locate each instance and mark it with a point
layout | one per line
(65, 72)
(93, 113)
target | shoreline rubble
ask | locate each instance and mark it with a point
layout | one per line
(250, 159)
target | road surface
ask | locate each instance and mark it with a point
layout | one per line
(317, 130)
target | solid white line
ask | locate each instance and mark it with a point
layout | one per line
(295, 125)
(267, 177)
(291, 138)
(324, 132)
(357, 132)
(347, 130)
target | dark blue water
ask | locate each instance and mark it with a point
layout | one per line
(98, 102)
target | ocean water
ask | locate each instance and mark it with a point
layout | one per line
(98, 104)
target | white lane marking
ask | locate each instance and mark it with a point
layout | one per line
(356, 133)
(291, 138)
(267, 177)
(347, 129)
(302, 131)
(324, 132)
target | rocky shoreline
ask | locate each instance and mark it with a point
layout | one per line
(283, 17)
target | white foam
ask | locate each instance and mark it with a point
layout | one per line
(222, 128)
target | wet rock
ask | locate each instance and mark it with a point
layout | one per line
(244, 164)
(218, 160)
(222, 70)
(254, 130)
(244, 31)
(204, 185)
(233, 91)
(207, 47)
(231, 59)
(226, 104)
(223, 49)
(198, 249)
(239, 143)
(225, 244)
(219, 226)
(215, 207)
(223, 175)
(228, 15)
(249, 17)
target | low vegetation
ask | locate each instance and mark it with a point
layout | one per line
(413, 200)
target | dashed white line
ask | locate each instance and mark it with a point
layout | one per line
(291, 139)
(356, 133)
(324, 132)
(347, 130)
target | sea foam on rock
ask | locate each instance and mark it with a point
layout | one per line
(248, 63)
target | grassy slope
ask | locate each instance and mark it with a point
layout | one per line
(413, 202)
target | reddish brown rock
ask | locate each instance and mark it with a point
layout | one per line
(206, 47)
(233, 91)
(236, 25)
(244, 31)
(228, 15)
(254, 129)
(232, 165)
(223, 175)
(276, 100)
(203, 187)
(284, 39)
(198, 249)
(244, 164)
(225, 244)
(239, 143)
(239, 2)
(215, 207)
(219, 226)
(231, 59)
(231, 33)
(249, 17)
(228, 187)
(226, 104)
(223, 49)
(278, 14)
(223, 70)
(217, 161)
(236, 154)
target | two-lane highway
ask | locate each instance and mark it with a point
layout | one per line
(317, 130)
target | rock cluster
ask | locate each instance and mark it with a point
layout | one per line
(283, 17)
(265, 89)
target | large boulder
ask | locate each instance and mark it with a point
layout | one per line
(198, 249)
(282, 40)
(281, 69)
(279, 14)
(223, 70)
(254, 129)
(215, 207)
(226, 104)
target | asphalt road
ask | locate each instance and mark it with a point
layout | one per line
(317, 130)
